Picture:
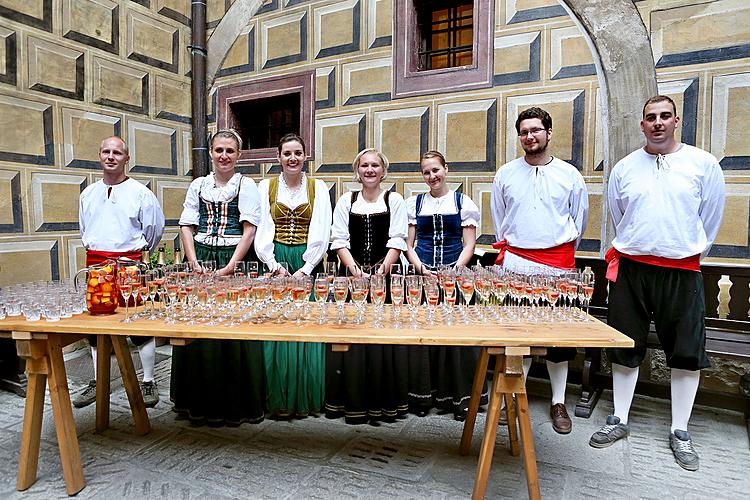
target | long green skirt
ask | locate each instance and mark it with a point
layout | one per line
(295, 371)
(218, 382)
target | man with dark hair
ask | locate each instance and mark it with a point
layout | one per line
(119, 217)
(540, 210)
(534, 112)
(666, 201)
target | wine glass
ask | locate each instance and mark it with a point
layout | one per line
(395, 269)
(413, 296)
(397, 297)
(432, 293)
(465, 281)
(340, 289)
(377, 296)
(448, 282)
(252, 269)
(127, 279)
(359, 286)
(299, 296)
(320, 290)
(232, 292)
(142, 296)
(587, 284)
(240, 269)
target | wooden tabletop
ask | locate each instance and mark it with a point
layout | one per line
(592, 333)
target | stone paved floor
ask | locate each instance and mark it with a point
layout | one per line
(413, 458)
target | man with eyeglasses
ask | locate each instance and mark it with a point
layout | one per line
(666, 201)
(540, 211)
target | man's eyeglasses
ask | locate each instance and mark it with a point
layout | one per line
(533, 131)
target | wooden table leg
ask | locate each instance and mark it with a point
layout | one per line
(130, 381)
(490, 431)
(67, 439)
(32, 422)
(510, 408)
(103, 362)
(480, 374)
(529, 456)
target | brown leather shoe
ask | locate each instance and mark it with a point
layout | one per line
(560, 419)
(503, 418)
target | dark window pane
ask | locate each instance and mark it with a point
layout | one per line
(263, 122)
(446, 33)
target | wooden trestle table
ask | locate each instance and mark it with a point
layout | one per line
(40, 343)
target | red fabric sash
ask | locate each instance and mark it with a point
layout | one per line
(613, 256)
(94, 257)
(560, 256)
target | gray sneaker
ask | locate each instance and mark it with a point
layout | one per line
(87, 397)
(150, 394)
(682, 447)
(608, 434)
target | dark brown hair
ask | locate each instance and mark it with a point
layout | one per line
(660, 98)
(290, 138)
(534, 112)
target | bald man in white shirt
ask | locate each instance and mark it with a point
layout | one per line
(666, 201)
(119, 217)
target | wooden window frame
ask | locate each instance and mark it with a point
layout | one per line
(300, 83)
(409, 80)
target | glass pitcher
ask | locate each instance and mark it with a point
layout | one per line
(101, 288)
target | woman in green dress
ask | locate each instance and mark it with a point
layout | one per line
(295, 229)
(220, 382)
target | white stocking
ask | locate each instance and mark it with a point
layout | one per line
(148, 357)
(558, 378)
(93, 356)
(623, 388)
(684, 387)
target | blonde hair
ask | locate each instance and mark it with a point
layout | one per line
(383, 160)
(434, 154)
(228, 133)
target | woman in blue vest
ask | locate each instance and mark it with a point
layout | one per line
(295, 229)
(220, 382)
(442, 232)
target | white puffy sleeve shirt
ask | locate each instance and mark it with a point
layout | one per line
(666, 205)
(443, 205)
(120, 218)
(248, 204)
(396, 232)
(538, 207)
(318, 234)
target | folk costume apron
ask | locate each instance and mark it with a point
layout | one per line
(367, 383)
(219, 382)
(441, 375)
(295, 371)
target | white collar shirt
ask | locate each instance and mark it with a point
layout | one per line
(666, 205)
(122, 217)
(537, 207)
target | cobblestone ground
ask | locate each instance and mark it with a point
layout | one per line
(412, 458)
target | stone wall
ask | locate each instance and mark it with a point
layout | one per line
(71, 73)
